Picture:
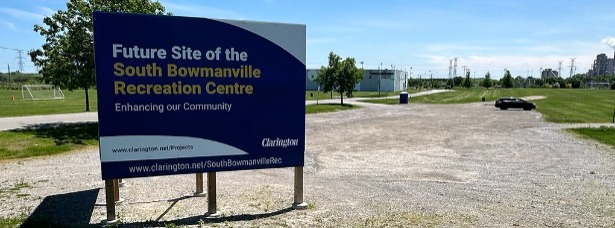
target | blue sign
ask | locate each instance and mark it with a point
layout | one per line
(187, 95)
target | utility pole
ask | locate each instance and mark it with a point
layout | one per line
(410, 77)
(379, 78)
(9, 66)
(421, 86)
(430, 80)
(450, 72)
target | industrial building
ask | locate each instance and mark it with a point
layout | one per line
(549, 73)
(603, 65)
(384, 80)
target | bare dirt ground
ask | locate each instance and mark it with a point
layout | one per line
(531, 98)
(468, 165)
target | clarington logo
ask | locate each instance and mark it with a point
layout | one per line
(267, 142)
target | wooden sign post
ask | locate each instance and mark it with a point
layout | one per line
(298, 199)
(212, 207)
(110, 201)
(199, 185)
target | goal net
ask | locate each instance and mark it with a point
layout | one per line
(41, 92)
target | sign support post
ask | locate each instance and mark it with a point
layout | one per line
(116, 191)
(199, 185)
(110, 201)
(298, 203)
(212, 207)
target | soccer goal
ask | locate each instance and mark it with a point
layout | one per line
(41, 92)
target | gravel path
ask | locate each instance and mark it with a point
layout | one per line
(381, 165)
(22, 121)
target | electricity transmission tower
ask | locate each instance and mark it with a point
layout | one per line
(572, 67)
(455, 67)
(450, 68)
(20, 57)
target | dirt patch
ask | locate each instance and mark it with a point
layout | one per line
(530, 98)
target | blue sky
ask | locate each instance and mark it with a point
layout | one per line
(485, 35)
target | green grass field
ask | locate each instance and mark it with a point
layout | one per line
(73, 102)
(47, 140)
(604, 135)
(560, 105)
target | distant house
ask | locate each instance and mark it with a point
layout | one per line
(497, 86)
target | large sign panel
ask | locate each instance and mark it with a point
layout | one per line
(187, 95)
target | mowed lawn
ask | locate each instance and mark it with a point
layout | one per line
(560, 105)
(73, 102)
(604, 135)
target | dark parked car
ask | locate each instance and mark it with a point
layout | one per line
(512, 102)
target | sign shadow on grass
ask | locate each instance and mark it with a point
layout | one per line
(64, 210)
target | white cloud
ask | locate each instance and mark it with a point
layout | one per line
(9, 25)
(197, 10)
(609, 41)
(20, 14)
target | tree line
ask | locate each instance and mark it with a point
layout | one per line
(577, 81)
(15, 80)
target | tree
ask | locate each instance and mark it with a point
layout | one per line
(341, 76)
(467, 83)
(519, 82)
(67, 57)
(487, 81)
(574, 81)
(457, 81)
(507, 80)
